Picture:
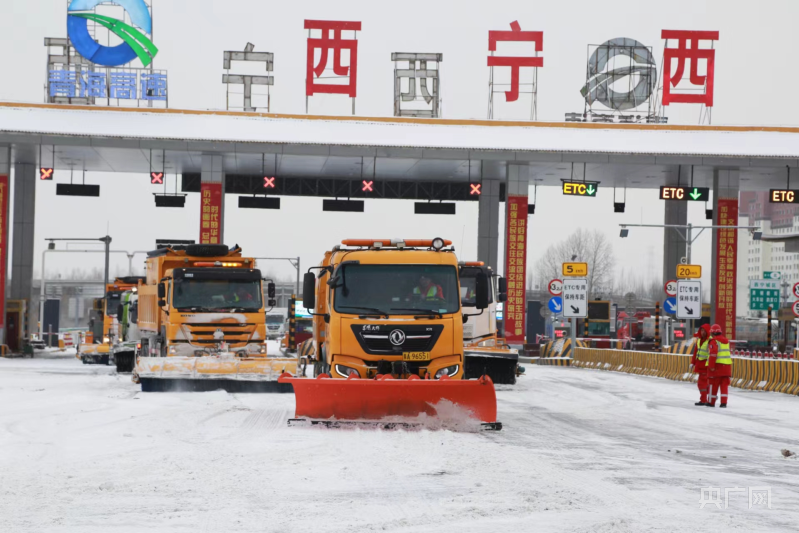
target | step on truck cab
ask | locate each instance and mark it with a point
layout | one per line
(202, 322)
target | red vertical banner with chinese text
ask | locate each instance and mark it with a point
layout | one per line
(726, 266)
(516, 269)
(3, 246)
(210, 212)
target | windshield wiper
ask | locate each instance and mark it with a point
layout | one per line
(375, 310)
(429, 312)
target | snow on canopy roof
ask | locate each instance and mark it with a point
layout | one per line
(224, 126)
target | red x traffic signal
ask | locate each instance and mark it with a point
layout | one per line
(368, 186)
(476, 189)
(157, 178)
(46, 173)
(269, 183)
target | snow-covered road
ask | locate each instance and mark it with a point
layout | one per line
(81, 450)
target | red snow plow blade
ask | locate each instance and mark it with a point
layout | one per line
(392, 402)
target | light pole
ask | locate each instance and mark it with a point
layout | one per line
(295, 262)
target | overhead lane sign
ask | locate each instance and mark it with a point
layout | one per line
(783, 196)
(685, 194)
(580, 188)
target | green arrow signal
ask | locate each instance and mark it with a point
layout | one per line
(590, 190)
(695, 194)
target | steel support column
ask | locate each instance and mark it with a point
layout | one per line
(493, 173)
(5, 170)
(21, 278)
(673, 245)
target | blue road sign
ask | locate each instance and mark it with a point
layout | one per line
(670, 305)
(556, 304)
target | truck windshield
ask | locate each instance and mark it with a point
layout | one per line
(212, 294)
(469, 287)
(397, 289)
(274, 319)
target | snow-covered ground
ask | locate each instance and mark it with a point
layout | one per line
(82, 450)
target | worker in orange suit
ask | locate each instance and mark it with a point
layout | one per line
(719, 366)
(699, 361)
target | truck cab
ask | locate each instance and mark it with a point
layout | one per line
(201, 299)
(388, 307)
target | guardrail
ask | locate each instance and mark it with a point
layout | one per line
(775, 374)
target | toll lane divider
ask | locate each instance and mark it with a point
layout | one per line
(775, 374)
(563, 347)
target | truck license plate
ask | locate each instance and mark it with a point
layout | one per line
(415, 356)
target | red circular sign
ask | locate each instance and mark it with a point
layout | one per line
(671, 287)
(796, 290)
(555, 287)
(796, 309)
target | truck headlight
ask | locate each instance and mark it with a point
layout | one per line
(172, 350)
(346, 371)
(447, 371)
(263, 349)
(106, 340)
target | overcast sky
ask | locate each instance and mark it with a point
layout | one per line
(752, 73)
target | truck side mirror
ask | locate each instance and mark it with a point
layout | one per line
(502, 285)
(502, 289)
(270, 290)
(309, 290)
(162, 290)
(481, 290)
(271, 302)
(161, 303)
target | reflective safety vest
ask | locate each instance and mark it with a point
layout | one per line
(431, 292)
(723, 357)
(703, 352)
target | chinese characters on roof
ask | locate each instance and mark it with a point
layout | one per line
(514, 56)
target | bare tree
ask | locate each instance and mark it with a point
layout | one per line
(584, 246)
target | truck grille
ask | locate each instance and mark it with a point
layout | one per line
(393, 340)
(236, 335)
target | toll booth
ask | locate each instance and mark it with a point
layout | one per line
(16, 324)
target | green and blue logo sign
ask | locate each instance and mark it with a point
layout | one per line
(136, 43)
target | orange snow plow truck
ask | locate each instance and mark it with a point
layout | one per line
(202, 321)
(388, 338)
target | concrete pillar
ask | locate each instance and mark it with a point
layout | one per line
(725, 248)
(212, 180)
(673, 242)
(21, 279)
(493, 174)
(5, 170)
(517, 185)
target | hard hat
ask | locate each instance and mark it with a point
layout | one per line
(715, 329)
